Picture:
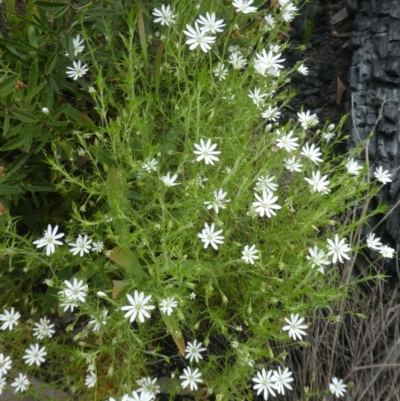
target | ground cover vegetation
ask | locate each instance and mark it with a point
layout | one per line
(165, 226)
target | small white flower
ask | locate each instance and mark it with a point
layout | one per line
(295, 327)
(306, 120)
(237, 60)
(45, 110)
(312, 153)
(219, 201)
(168, 305)
(5, 364)
(269, 22)
(43, 329)
(382, 176)
(192, 295)
(293, 165)
(149, 386)
(81, 246)
(164, 16)
(318, 258)
(373, 243)
(206, 151)
(265, 383)
(49, 240)
(386, 251)
(21, 383)
(318, 183)
(302, 69)
(353, 167)
(78, 45)
(268, 63)
(282, 380)
(337, 387)
(150, 165)
(191, 378)
(193, 351)
(210, 24)
(328, 135)
(99, 321)
(244, 6)
(220, 71)
(91, 380)
(10, 319)
(287, 142)
(211, 237)
(257, 97)
(288, 12)
(75, 291)
(97, 246)
(2, 384)
(198, 37)
(169, 181)
(77, 71)
(266, 184)
(338, 249)
(249, 254)
(265, 204)
(271, 113)
(138, 307)
(35, 355)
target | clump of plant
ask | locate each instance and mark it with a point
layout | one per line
(207, 228)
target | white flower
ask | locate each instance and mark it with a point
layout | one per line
(91, 380)
(77, 71)
(386, 251)
(295, 327)
(45, 110)
(269, 22)
(5, 364)
(353, 167)
(2, 384)
(49, 240)
(220, 71)
(382, 176)
(43, 329)
(35, 355)
(373, 243)
(219, 201)
(206, 151)
(268, 63)
(68, 304)
(287, 142)
(192, 295)
(138, 307)
(338, 249)
(21, 383)
(318, 258)
(237, 60)
(193, 351)
(257, 97)
(149, 386)
(266, 204)
(99, 321)
(249, 254)
(164, 16)
(282, 380)
(244, 6)
(75, 291)
(97, 246)
(306, 120)
(337, 387)
(302, 69)
(292, 164)
(210, 24)
(81, 246)
(78, 45)
(288, 12)
(266, 184)
(167, 305)
(211, 237)
(198, 37)
(318, 183)
(150, 165)
(168, 180)
(138, 396)
(328, 135)
(190, 378)
(271, 113)
(264, 383)
(312, 153)
(10, 319)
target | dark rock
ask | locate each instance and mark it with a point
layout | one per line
(325, 73)
(310, 92)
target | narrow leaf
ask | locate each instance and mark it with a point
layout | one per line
(14, 143)
(9, 190)
(33, 77)
(23, 116)
(157, 68)
(51, 63)
(142, 33)
(118, 286)
(175, 331)
(127, 259)
(8, 84)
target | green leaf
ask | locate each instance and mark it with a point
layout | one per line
(143, 8)
(60, 12)
(33, 77)
(9, 190)
(15, 143)
(18, 163)
(27, 135)
(127, 259)
(157, 68)
(51, 63)
(23, 116)
(49, 6)
(100, 12)
(7, 85)
(35, 91)
(40, 187)
(175, 331)
(6, 125)
(113, 182)
(60, 110)
(119, 286)
(142, 33)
